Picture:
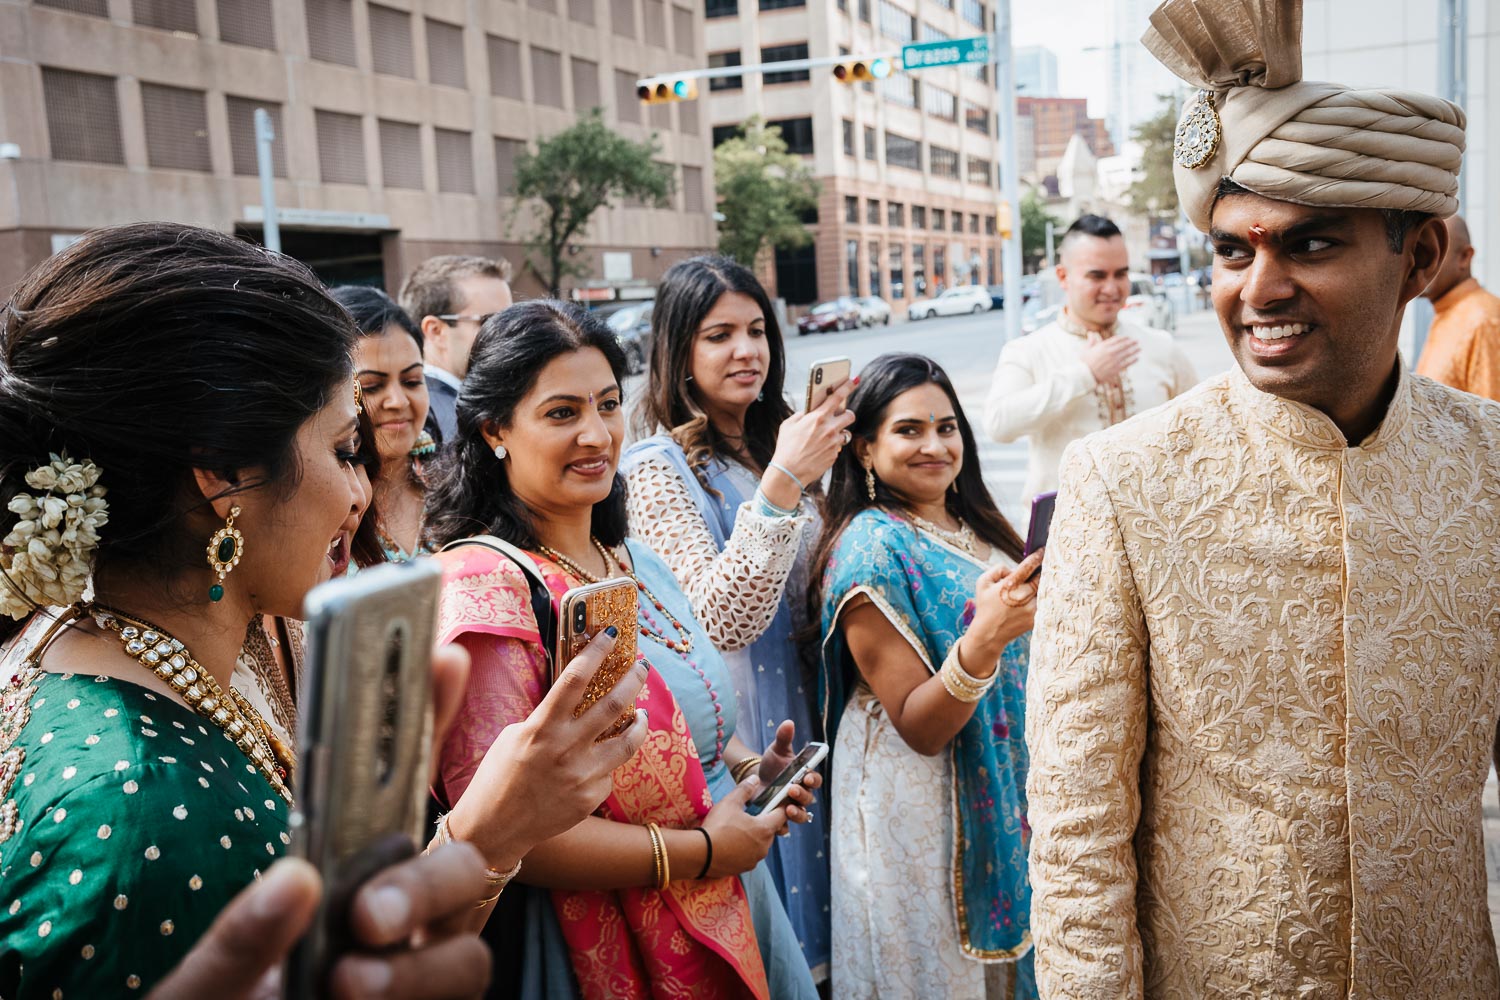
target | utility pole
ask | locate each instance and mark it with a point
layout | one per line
(264, 134)
(1051, 261)
(1453, 59)
(1008, 165)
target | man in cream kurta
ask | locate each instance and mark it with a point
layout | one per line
(1088, 370)
(1266, 669)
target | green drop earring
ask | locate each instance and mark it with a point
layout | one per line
(224, 551)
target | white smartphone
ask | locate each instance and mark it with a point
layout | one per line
(774, 794)
(824, 377)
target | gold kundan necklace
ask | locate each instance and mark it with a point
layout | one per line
(168, 659)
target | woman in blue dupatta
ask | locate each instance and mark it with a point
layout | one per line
(717, 492)
(926, 620)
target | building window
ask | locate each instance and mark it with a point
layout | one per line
(684, 33)
(585, 83)
(902, 152)
(976, 71)
(989, 225)
(872, 211)
(938, 103)
(931, 34)
(83, 116)
(851, 265)
(781, 4)
(976, 118)
(864, 11)
(900, 88)
(895, 215)
(98, 8)
(247, 22)
(390, 41)
(168, 15)
(918, 269)
(723, 133)
(898, 271)
(848, 137)
(627, 104)
(897, 24)
(874, 262)
(851, 209)
(692, 189)
(798, 133)
(176, 122)
(974, 222)
(654, 16)
(622, 17)
(581, 11)
(958, 221)
(939, 220)
(721, 8)
(785, 53)
(330, 31)
(507, 152)
(919, 217)
(942, 162)
(455, 160)
(445, 54)
(546, 77)
(400, 154)
(979, 171)
(505, 68)
(939, 265)
(718, 60)
(661, 116)
(973, 12)
(869, 143)
(242, 153)
(341, 147)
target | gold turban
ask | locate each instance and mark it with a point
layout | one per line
(1257, 122)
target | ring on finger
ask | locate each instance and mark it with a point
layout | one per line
(848, 437)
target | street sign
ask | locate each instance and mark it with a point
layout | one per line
(951, 52)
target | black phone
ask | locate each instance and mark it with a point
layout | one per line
(1042, 506)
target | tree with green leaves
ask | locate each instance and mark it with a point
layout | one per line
(1155, 193)
(764, 193)
(1034, 219)
(575, 173)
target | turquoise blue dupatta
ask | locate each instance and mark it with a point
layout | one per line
(926, 590)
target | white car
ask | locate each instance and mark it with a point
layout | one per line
(873, 309)
(954, 302)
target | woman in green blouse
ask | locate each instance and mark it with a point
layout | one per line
(178, 441)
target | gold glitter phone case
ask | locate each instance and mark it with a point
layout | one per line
(585, 612)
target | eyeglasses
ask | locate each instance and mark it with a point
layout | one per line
(452, 318)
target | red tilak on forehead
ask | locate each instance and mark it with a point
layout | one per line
(1258, 235)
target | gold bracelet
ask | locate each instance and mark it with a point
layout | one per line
(744, 767)
(661, 872)
(959, 683)
(494, 879)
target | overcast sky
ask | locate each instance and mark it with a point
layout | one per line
(1068, 27)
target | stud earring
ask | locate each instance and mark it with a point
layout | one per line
(870, 481)
(500, 452)
(224, 551)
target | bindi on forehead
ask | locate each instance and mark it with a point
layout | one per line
(1259, 235)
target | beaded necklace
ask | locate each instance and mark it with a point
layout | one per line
(649, 628)
(962, 538)
(170, 660)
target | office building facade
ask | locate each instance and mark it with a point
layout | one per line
(909, 188)
(398, 124)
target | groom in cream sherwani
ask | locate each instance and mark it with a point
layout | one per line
(1265, 677)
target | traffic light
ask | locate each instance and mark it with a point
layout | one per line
(1004, 221)
(861, 70)
(664, 89)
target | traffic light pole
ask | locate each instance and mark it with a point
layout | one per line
(787, 66)
(1008, 164)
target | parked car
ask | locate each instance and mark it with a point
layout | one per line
(842, 313)
(632, 327)
(873, 309)
(954, 302)
(997, 292)
(1149, 305)
(1034, 315)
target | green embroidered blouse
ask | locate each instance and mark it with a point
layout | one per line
(127, 823)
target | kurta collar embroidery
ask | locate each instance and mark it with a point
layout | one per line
(1303, 425)
(1076, 328)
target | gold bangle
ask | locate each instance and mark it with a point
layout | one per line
(494, 879)
(959, 683)
(661, 872)
(744, 767)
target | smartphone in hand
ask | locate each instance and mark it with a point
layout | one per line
(1042, 507)
(825, 376)
(585, 612)
(364, 741)
(774, 795)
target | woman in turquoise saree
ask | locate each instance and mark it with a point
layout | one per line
(926, 621)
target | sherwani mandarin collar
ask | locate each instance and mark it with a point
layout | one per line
(1307, 427)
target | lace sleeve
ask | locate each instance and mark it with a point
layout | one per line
(735, 592)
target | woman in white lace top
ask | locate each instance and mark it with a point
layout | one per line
(718, 490)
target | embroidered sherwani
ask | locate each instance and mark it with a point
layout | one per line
(1044, 391)
(1263, 692)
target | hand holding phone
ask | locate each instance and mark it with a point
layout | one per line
(774, 794)
(823, 377)
(585, 612)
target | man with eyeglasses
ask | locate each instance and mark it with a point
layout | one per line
(450, 297)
